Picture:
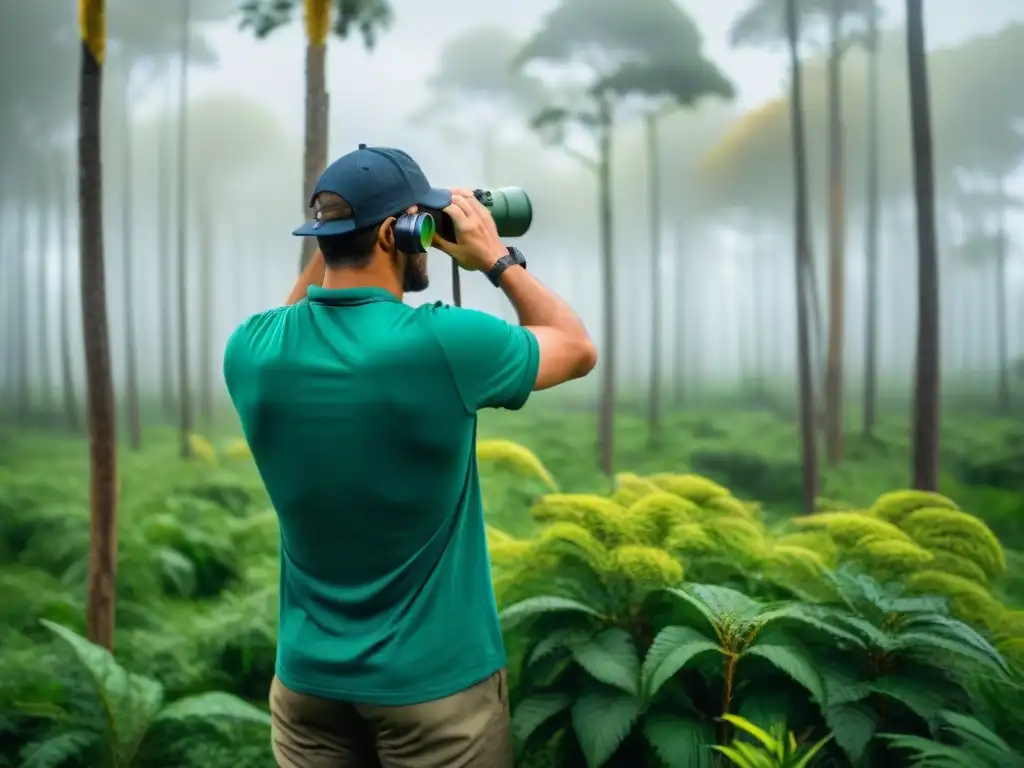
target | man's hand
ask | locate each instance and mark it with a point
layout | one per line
(478, 246)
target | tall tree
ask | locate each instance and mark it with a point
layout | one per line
(185, 416)
(70, 395)
(871, 225)
(99, 380)
(926, 378)
(802, 258)
(651, 49)
(131, 361)
(368, 17)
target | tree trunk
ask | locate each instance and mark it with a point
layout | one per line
(42, 255)
(654, 205)
(606, 415)
(315, 154)
(801, 259)
(204, 249)
(67, 358)
(679, 307)
(99, 380)
(184, 393)
(131, 382)
(927, 385)
(1002, 319)
(871, 229)
(758, 292)
(165, 258)
(24, 385)
(836, 243)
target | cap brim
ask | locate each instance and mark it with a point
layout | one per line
(438, 199)
(314, 228)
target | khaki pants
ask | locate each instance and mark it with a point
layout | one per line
(470, 729)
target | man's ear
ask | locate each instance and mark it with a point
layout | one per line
(386, 235)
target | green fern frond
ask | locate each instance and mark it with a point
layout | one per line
(848, 528)
(647, 567)
(969, 601)
(949, 530)
(738, 535)
(689, 539)
(894, 506)
(630, 488)
(652, 516)
(573, 540)
(516, 457)
(728, 506)
(815, 541)
(889, 556)
(693, 487)
(602, 518)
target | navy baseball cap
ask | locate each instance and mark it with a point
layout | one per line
(377, 182)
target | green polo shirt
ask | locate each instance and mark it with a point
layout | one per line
(360, 412)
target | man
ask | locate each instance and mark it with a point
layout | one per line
(360, 412)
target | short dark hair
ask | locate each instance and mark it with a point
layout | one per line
(352, 249)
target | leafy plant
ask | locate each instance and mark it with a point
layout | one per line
(973, 745)
(778, 749)
(114, 719)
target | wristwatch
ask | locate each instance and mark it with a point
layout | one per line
(513, 258)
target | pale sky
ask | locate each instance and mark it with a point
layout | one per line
(388, 82)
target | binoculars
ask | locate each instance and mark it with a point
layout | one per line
(510, 208)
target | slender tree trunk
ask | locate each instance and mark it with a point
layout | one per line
(317, 106)
(606, 415)
(42, 255)
(758, 291)
(67, 359)
(1002, 319)
(131, 383)
(204, 249)
(184, 390)
(801, 259)
(679, 334)
(871, 229)
(24, 384)
(927, 384)
(165, 258)
(654, 205)
(99, 379)
(836, 243)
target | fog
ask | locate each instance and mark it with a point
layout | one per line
(726, 265)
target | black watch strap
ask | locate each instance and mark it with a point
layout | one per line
(513, 258)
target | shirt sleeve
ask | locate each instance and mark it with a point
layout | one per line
(494, 363)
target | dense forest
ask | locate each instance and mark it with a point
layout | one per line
(780, 526)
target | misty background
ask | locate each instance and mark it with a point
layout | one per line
(726, 265)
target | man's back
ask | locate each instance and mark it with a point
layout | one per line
(361, 416)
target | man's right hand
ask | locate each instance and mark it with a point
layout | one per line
(479, 246)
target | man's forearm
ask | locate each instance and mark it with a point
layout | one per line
(313, 274)
(537, 305)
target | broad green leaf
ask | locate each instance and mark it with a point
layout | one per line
(679, 742)
(872, 635)
(925, 646)
(535, 710)
(798, 614)
(602, 718)
(841, 685)
(611, 657)
(129, 703)
(916, 695)
(672, 649)
(792, 660)
(213, 705)
(567, 637)
(722, 601)
(533, 607)
(957, 631)
(853, 726)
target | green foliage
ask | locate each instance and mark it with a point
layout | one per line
(637, 614)
(367, 17)
(777, 749)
